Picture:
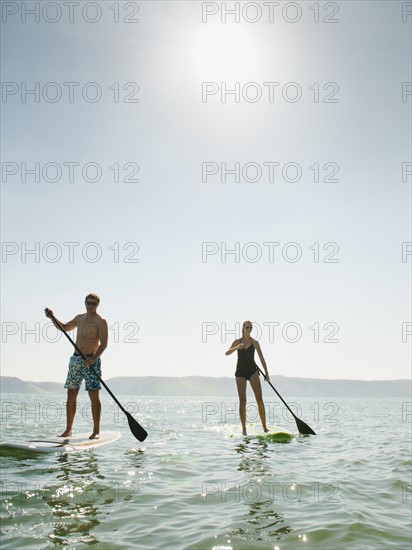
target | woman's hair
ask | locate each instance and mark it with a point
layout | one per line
(93, 296)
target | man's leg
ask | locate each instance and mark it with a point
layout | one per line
(71, 405)
(96, 412)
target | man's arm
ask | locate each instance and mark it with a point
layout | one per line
(66, 326)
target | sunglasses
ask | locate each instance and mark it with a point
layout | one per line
(248, 327)
(91, 303)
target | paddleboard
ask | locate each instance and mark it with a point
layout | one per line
(77, 442)
(280, 436)
(254, 431)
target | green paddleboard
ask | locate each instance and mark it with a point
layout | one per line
(254, 431)
(281, 436)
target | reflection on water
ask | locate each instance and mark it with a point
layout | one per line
(76, 500)
(262, 522)
(254, 455)
(67, 497)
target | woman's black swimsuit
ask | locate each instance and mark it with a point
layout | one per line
(246, 366)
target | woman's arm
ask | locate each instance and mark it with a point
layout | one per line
(262, 359)
(235, 346)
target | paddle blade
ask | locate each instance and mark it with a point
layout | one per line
(137, 430)
(303, 428)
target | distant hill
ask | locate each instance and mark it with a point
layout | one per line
(225, 387)
(11, 384)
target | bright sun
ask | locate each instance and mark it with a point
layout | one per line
(225, 52)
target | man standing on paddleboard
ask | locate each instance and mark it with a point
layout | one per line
(91, 339)
(246, 369)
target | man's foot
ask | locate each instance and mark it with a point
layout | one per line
(244, 431)
(265, 430)
(95, 435)
(66, 433)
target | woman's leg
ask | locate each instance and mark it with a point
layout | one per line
(257, 390)
(241, 390)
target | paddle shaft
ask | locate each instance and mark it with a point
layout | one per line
(276, 391)
(302, 426)
(79, 351)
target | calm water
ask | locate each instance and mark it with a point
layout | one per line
(195, 483)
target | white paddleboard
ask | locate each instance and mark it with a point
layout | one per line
(77, 442)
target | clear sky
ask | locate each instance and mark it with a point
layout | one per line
(208, 167)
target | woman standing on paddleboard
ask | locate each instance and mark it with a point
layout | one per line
(246, 369)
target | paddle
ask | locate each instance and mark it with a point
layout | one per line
(137, 430)
(302, 427)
